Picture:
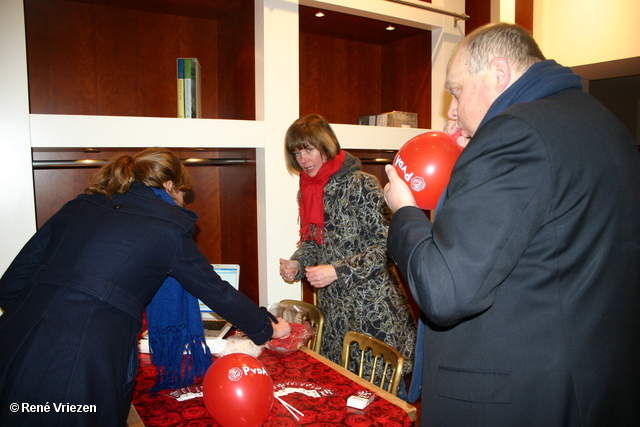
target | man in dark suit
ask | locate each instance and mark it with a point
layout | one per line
(530, 275)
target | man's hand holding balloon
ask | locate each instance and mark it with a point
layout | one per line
(423, 165)
(397, 193)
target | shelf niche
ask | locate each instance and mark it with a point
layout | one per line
(351, 66)
(223, 196)
(118, 57)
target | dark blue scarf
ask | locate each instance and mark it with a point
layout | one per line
(175, 325)
(542, 79)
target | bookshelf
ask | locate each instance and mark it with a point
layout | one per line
(118, 58)
(371, 69)
(259, 74)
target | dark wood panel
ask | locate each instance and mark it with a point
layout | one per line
(524, 14)
(207, 9)
(343, 77)
(339, 79)
(376, 169)
(238, 219)
(236, 53)
(224, 197)
(94, 58)
(351, 27)
(406, 77)
(479, 12)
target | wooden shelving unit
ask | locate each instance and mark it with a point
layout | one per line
(102, 75)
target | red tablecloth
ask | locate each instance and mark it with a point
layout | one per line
(297, 369)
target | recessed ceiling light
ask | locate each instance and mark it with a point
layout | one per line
(390, 28)
(319, 15)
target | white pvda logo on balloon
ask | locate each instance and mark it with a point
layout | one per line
(235, 374)
(425, 162)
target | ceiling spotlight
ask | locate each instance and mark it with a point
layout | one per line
(319, 15)
(390, 28)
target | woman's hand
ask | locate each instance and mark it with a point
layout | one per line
(282, 329)
(320, 276)
(289, 269)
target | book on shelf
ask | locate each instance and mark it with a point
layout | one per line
(189, 92)
(181, 87)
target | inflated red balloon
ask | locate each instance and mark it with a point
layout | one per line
(238, 391)
(425, 163)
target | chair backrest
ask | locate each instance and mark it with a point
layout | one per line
(315, 318)
(387, 362)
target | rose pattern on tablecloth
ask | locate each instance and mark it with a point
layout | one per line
(295, 369)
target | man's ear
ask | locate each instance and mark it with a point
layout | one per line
(168, 186)
(501, 70)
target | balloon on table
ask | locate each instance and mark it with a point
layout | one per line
(425, 163)
(238, 391)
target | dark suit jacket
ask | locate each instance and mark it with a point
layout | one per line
(530, 274)
(74, 297)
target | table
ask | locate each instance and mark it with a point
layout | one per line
(303, 368)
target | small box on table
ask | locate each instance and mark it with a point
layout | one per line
(361, 399)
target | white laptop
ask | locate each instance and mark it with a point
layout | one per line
(214, 325)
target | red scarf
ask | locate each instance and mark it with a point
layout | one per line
(312, 199)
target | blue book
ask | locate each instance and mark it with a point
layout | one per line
(180, 87)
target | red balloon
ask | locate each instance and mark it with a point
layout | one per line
(238, 391)
(425, 163)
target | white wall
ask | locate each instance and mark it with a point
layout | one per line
(579, 32)
(17, 210)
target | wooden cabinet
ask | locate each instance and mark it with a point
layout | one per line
(352, 66)
(118, 58)
(223, 196)
(102, 76)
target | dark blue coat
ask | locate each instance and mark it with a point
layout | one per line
(74, 297)
(530, 275)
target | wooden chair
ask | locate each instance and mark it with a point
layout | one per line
(386, 360)
(315, 316)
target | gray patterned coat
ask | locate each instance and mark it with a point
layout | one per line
(367, 297)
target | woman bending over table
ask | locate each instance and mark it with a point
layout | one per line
(74, 295)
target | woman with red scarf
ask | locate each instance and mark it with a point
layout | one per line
(342, 249)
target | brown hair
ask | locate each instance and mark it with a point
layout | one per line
(509, 41)
(152, 167)
(311, 130)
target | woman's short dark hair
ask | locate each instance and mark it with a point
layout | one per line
(311, 130)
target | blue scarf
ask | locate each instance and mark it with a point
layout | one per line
(175, 325)
(542, 79)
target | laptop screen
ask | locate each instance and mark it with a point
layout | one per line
(227, 272)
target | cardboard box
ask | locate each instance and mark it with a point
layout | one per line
(400, 119)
